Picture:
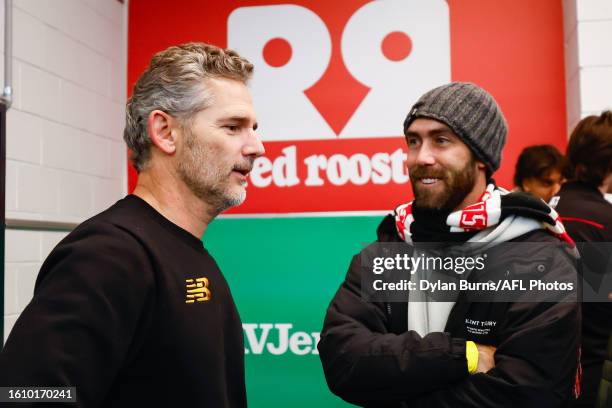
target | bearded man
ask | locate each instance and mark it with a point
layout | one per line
(130, 308)
(459, 353)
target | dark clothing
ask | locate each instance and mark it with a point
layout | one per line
(370, 357)
(604, 399)
(111, 315)
(587, 216)
(585, 212)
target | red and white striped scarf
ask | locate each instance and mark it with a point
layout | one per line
(499, 216)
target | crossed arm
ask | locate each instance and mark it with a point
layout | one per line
(366, 364)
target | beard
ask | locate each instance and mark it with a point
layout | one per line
(456, 184)
(207, 175)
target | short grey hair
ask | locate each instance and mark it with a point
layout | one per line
(174, 83)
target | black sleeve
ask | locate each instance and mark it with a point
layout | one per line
(535, 361)
(534, 367)
(364, 363)
(91, 297)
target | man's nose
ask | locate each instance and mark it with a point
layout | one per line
(254, 145)
(425, 155)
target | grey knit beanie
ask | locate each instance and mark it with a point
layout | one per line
(471, 113)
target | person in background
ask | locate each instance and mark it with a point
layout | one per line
(539, 171)
(130, 308)
(588, 219)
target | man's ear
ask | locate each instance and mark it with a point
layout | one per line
(482, 168)
(161, 127)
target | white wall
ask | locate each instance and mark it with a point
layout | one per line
(65, 156)
(588, 54)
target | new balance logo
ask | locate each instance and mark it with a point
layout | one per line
(197, 290)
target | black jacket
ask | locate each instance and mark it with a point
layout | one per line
(371, 359)
(605, 387)
(587, 216)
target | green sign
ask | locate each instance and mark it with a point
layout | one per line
(283, 273)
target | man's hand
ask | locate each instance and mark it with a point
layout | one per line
(486, 358)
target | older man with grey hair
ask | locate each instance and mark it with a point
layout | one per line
(130, 308)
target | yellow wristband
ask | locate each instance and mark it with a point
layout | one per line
(471, 353)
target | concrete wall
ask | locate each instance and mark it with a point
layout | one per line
(65, 154)
(588, 55)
